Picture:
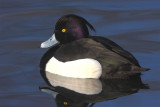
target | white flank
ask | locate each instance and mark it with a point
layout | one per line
(82, 68)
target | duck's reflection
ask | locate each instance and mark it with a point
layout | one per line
(83, 86)
(72, 92)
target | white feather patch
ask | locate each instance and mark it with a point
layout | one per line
(81, 68)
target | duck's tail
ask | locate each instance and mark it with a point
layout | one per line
(139, 69)
(134, 70)
(123, 72)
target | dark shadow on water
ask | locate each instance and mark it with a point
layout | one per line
(71, 92)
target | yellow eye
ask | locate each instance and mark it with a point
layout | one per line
(63, 30)
(65, 103)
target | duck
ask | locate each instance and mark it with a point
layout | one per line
(73, 52)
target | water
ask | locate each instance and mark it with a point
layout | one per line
(24, 24)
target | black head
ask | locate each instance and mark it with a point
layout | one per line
(72, 27)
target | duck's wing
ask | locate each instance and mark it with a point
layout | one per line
(115, 48)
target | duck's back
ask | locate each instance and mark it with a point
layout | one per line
(112, 46)
(97, 48)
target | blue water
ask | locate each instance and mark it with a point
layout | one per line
(24, 24)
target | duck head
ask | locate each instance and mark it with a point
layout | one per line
(67, 29)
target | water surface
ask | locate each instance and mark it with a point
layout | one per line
(24, 24)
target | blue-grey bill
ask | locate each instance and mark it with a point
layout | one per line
(50, 42)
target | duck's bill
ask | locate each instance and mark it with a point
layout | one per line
(50, 42)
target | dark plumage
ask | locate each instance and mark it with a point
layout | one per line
(76, 43)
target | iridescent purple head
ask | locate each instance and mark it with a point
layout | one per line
(71, 27)
(68, 28)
